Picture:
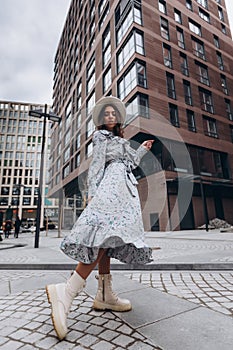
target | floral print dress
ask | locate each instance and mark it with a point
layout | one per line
(113, 218)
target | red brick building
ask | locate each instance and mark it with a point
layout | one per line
(171, 63)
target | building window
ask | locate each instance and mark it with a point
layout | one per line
(101, 6)
(180, 37)
(104, 16)
(195, 27)
(189, 5)
(68, 115)
(134, 43)
(136, 75)
(184, 64)
(220, 14)
(203, 3)
(92, 28)
(210, 127)
(79, 95)
(231, 131)
(90, 103)
(89, 149)
(229, 109)
(78, 141)
(171, 90)
(90, 74)
(162, 6)
(78, 121)
(137, 106)
(216, 41)
(202, 73)
(107, 79)
(220, 60)
(224, 30)
(164, 28)
(77, 160)
(206, 100)
(191, 120)
(125, 16)
(67, 137)
(177, 15)
(187, 92)
(198, 48)
(92, 12)
(204, 15)
(66, 171)
(26, 201)
(90, 128)
(66, 155)
(106, 46)
(224, 84)
(174, 117)
(167, 55)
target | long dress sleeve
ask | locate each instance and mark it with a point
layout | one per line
(135, 156)
(97, 166)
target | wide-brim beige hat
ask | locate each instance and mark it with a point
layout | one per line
(108, 101)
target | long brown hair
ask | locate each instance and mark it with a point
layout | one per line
(118, 129)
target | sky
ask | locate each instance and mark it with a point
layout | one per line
(29, 35)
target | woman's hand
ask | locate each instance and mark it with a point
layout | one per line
(148, 144)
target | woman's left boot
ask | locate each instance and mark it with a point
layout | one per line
(61, 296)
(106, 299)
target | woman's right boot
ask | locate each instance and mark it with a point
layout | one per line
(61, 296)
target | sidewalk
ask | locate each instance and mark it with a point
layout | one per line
(179, 250)
(158, 319)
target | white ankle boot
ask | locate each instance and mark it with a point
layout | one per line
(106, 299)
(61, 296)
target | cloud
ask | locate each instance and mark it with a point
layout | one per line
(30, 32)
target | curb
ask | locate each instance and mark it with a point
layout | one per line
(123, 267)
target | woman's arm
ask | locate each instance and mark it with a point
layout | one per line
(136, 155)
(97, 166)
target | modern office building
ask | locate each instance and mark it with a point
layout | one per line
(171, 63)
(20, 156)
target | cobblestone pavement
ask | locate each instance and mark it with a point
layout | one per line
(25, 323)
(211, 289)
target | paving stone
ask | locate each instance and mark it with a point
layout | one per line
(84, 318)
(20, 334)
(94, 330)
(11, 345)
(109, 335)
(80, 326)
(32, 325)
(3, 340)
(99, 321)
(47, 343)
(64, 345)
(122, 340)
(73, 336)
(103, 345)
(125, 329)
(112, 324)
(7, 330)
(33, 337)
(28, 347)
(88, 340)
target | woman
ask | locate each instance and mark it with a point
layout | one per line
(111, 225)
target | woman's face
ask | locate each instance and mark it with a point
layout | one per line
(110, 118)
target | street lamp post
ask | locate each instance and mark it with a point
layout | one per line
(53, 117)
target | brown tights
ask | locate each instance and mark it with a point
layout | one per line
(103, 262)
